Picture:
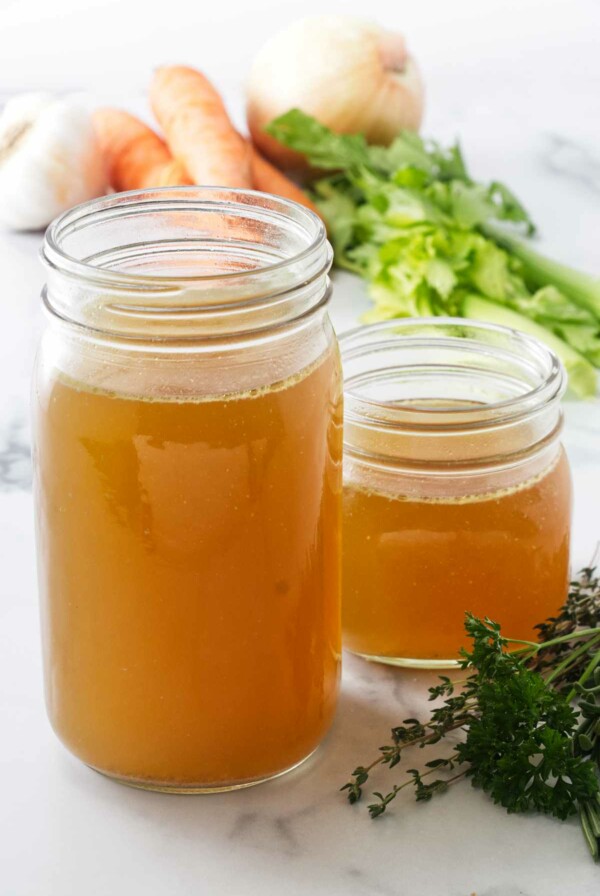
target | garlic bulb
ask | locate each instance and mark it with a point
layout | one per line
(352, 76)
(49, 159)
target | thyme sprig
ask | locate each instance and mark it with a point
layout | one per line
(529, 713)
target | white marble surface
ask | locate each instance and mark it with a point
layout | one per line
(522, 89)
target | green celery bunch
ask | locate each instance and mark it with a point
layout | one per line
(430, 240)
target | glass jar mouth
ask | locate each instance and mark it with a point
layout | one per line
(444, 374)
(173, 259)
(216, 199)
(449, 398)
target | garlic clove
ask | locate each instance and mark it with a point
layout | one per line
(351, 75)
(49, 160)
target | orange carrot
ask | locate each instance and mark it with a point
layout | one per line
(270, 179)
(197, 128)
(136, 157)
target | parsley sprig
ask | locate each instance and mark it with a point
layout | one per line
(529, 713)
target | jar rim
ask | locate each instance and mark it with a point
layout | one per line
(452, 333)
(185, 261)
(162, 198)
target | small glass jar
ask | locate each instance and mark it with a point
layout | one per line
(457, 492)
(187, 417)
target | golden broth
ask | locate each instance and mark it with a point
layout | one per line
(412, 567)
(190, 577)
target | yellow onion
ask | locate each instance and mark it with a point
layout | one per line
(353, 76)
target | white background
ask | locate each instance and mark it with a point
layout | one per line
(519, 82)
(547, 49)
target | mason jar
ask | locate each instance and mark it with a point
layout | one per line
(457, 492)
(187, 417)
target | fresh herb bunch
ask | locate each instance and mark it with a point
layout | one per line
(530, 715)
(432, 241)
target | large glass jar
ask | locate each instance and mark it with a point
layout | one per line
(457, 493)
(187, 416)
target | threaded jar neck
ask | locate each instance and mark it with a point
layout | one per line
(185, 263)
(446, 396)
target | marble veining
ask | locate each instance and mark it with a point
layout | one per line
(15, 455)
(574, 160)
(69, 831)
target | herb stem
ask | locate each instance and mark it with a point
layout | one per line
(430, 771)
(574, 655)
(544, 645)
(423, 740)
(593, 663)
(377, 809)
(455, 778)
(588, 833)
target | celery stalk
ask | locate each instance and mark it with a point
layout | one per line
(582, 375)
(583, 289)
